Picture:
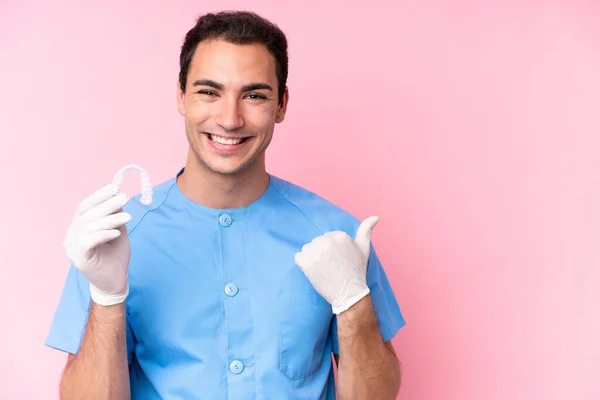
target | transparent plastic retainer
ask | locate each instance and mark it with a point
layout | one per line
(145, 178)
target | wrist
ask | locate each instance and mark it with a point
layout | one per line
(103, 298)
(359, 318)
(349, 302)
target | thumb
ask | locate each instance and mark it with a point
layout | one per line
(363, 235)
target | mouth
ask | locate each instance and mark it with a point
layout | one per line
(226, 144)
(226, 141)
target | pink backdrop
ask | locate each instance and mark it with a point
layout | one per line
(477, 129)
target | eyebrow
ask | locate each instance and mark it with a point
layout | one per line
(245, 88)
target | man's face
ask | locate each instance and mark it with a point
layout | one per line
(230, 105)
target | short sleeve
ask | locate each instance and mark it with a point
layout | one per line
(387, 311)
(70, 319)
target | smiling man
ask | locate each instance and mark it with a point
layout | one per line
(233, 283)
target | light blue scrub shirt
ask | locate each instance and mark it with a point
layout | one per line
(217, 307)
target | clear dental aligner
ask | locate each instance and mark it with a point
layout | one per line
(145, 178)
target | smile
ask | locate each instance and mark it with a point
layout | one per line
(227, 141)
(227, 145)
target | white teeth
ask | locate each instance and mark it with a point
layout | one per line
(224, 141)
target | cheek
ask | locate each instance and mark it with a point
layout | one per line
(197, 112)
(264, 119)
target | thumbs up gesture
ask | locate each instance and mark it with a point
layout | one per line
(336, 265)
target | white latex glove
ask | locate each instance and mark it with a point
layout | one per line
(336, 265)
(97, 244)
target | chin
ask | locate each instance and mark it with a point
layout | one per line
(230, 165)
(227, 170)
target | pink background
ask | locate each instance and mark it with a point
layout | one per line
(477, 129)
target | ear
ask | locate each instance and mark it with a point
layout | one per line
(180, 99)
(282, 106)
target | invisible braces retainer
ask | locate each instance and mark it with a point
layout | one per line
(145, 178)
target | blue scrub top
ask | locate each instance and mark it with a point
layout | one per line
(217, 307)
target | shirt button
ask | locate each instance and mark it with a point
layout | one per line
(225, 219)
(236, 367)
(231, 289)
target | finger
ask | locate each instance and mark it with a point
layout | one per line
(363, 235)
(98, 197)
(95, 239)
(298, 260)
(113, 221)
(110, 206)
(336, 235)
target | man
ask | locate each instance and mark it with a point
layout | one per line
(233, 283)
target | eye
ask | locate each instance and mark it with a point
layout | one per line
(208, 93)
(256, 96)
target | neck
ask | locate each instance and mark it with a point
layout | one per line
(210, 189)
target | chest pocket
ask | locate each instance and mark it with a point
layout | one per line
(304, 322)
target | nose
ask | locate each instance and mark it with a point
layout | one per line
(229, 116)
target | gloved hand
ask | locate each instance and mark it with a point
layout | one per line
(336, 265)
(98, 245)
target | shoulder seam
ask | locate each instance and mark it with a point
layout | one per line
(298, 208)
(149, 211)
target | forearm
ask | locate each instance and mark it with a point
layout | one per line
(100, 369)
(367, 368)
